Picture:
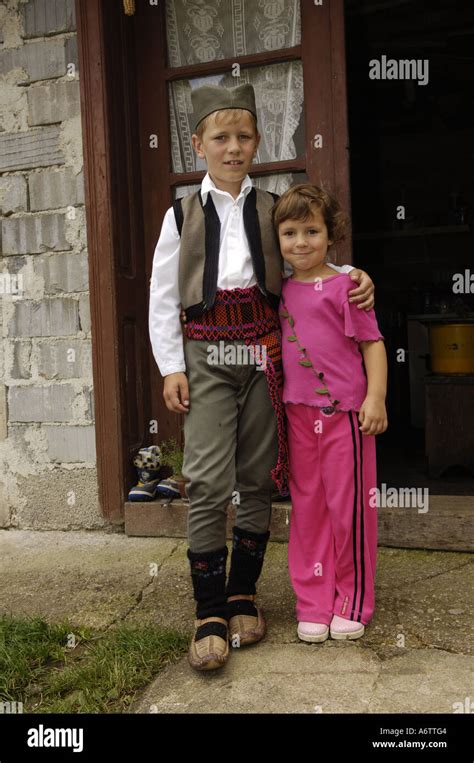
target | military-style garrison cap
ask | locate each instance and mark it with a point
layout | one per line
(209, 98)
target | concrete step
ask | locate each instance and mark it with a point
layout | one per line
(445, 523)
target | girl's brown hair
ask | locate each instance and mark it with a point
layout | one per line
(297, 202)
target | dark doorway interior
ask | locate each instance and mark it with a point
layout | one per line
(411, 145)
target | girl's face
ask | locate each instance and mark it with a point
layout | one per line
(229, 149)
(304, 244)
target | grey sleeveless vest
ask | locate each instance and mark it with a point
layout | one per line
(199, 228)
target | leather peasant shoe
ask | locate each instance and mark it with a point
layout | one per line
(209, 648)
(246, 622)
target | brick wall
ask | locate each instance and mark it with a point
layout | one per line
(47, 442)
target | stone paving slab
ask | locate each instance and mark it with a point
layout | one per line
(314, 678)
(415, 655)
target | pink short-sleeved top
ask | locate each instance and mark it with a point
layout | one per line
(329, 327)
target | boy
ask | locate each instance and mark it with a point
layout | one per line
(219, 257)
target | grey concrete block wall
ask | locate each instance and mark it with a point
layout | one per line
(21, 366)
(46, 389)
(45, 17)
(41, 403)
(34, 148)
(13, 194)
(46, 59)
(31, 234)
(48, 318)
(69, 444)
(62, 273)
(55, 189)
(54, 102)
(65, 359)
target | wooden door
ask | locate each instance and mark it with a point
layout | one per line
(117, 273)
(321, 52)
(130, 182)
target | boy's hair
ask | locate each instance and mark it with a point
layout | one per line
(232, 115)
(297, 203)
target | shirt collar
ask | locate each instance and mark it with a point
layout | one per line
(208, 185)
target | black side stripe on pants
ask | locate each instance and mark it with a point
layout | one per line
(362, 538)
(354, 515)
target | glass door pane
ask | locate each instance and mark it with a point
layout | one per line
(199, 31)
(280, 119)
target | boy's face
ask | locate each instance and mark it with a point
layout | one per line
(304, 244)
(229, 149)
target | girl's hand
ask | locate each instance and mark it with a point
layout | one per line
(373, 416)
(363, 296)
(182, 316)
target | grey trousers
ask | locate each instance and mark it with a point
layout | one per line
(231, 445)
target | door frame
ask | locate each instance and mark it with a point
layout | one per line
(107, 60)
(96, 128)
(112, 176)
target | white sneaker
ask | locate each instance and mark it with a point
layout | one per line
(312, 632)
(345, 629)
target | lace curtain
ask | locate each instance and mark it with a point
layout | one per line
(208, 30)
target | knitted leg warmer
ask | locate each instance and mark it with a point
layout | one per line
(248, 551)
(208, 574)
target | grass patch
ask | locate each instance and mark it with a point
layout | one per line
(58, 668)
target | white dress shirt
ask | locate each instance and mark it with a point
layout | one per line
(235, 270)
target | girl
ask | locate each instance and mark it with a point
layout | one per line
(333, 412)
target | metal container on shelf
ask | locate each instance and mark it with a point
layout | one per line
(452, 347)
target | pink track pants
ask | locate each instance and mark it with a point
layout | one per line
(332, 548)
